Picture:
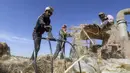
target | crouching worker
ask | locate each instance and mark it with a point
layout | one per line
(61, 45)
(107, 20)
(42, 25)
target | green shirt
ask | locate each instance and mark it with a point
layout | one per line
(63, 34)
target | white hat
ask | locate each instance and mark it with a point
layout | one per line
(49, 9)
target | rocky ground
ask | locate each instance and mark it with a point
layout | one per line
(15, 64)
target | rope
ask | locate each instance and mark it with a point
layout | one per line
(74, 64)
(35, 63)
(51, 55)
(88, 36)
(53, 39)
(64, 54)
(77, 56)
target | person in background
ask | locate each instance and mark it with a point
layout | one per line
(61, 45)
(106, 20)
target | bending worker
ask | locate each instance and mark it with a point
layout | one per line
(107, 20)
(42, 25)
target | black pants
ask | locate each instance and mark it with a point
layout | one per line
(37, 42)
(60, 47)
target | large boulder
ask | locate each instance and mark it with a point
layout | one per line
(88, 65)
(4, 50)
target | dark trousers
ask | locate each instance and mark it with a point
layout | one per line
(37, 42)
(60, 47)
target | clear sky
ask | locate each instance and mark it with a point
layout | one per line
(18, 18)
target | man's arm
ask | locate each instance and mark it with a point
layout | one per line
(41, 20)
(50, 35)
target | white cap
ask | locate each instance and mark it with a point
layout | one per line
(49, 9)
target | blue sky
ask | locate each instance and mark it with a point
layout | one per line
(18, 18)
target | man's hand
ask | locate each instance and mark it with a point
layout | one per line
(48, 28)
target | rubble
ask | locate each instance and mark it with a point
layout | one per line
(24, 65)
(113, 47)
